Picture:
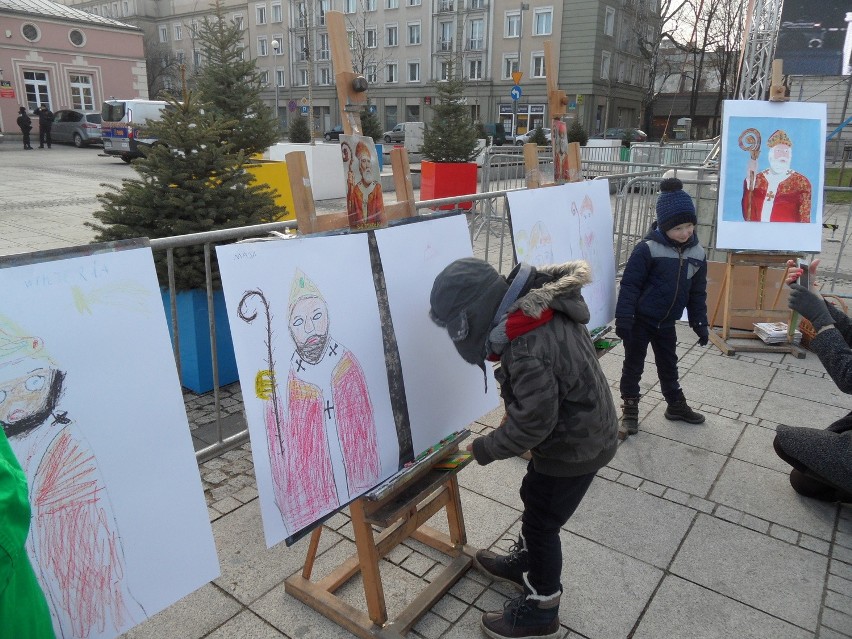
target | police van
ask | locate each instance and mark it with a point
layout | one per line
(123, 127)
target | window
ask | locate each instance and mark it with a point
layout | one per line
(510, 65)
(476, 4)
(324, 76)
(476, 38)
(260, 14)
(278, 39)
(277, 13)
(348, 6)
(76, 37)
(302, 15)
(446, 5)
(264, 78)
(262, 46)
(538, 65)
(444, 71)
(125, 8)
(391, 73)
(371, 38)
(605, 59)
(180, 56)
(512, 28)
(178, 31)
(196, 59)
(279, 77)
(323, 7)
(35, 85)
(323, 53)
(369, 5)
(414, 72)
(241, 52)
(621, 71)
(445, 40)
(82, 95)
(193, 28)
(414, 3)
(303, 77)
(164, 33)
(414, 33)
(609, 21)
(302, 47)
(391, 35)
(392, 4)
(370, 74)
(350, 36)
(543, 21)
(474, 69)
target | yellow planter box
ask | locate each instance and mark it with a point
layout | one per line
(275, 175)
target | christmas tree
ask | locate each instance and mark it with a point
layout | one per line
(451, 136)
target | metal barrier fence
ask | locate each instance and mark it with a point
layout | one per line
(633, 190)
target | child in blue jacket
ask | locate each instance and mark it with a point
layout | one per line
(666, 273)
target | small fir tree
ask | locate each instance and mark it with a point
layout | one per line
(539, 137)
(576, 133)
(451, 136)
(370, 126)
(299, 131)
(230, 85)
(193, 180)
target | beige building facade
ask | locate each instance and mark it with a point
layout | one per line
(403, 47)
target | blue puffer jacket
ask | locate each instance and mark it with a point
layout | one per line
(662, 279)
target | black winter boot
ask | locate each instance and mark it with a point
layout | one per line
(630, 415)
(527, 616)
(509, 568)
(680, 410)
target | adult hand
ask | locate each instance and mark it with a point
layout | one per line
(794, 272)
(810, 305)
(624, 328)
(703, 334)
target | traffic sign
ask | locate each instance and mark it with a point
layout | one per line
(516, 76)
(516, 93)
(291, 105)
(304, 101)
(304, 110)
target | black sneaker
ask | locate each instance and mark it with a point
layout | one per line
(525, 617)
(509, 568)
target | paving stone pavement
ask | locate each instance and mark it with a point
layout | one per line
(692, 531)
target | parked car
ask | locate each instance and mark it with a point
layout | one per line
(79, 128)
(496, 131)
(617, 133)
(333, 134)
(523, 138)
(396, 134)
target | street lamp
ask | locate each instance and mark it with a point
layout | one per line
(276, 48)
(524, 7)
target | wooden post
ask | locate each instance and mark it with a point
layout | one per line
(777, 91)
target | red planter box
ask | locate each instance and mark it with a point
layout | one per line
(447, 179)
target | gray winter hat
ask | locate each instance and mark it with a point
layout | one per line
(828, 454)
(465, 296)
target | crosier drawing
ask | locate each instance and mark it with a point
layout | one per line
(320, 426)
(74, 541)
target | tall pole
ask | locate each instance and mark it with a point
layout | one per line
(276, 48)
(524, 7)
(309, 46)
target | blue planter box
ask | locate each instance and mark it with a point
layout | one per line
(196, 360)
(380, 155)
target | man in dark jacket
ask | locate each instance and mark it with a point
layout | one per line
(45, 124)
(25, 125)
(558, 406)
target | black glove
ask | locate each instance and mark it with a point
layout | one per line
(810, 305)
(703, 334)
(624, 327)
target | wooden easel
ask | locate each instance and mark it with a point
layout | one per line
(758, 311)
(557, 101)
(763, 261)
(403, 511)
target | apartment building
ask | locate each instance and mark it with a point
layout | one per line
(403, 47)
(65, 58)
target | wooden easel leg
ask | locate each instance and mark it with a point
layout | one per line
(369, 558)
(308, 568)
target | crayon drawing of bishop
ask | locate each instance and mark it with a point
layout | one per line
(322, 441)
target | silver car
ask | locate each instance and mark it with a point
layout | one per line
(78, 127)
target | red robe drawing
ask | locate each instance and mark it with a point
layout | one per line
(323, 447)
(74, 538)
(789, 202)
(364, 204)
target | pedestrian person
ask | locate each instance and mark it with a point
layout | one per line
(665, 274)
(821, 458)
(26, 125)
(45, 124)
(23, 608)
(558, 406)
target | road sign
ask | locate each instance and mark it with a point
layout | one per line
(572, 106)
(291, 105)
(371, 108)
(516, 93)
(516, 76)
(304, 101)
(304, 110)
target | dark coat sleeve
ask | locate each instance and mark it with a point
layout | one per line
(633, 281)
(833, 349)
(697, 304)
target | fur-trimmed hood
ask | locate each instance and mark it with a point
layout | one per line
(558, 287)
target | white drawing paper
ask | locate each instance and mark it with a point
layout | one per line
(92, 406)
(569, 222)
(444, 393)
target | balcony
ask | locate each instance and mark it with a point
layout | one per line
(475, 44)
(323, 54)
(446, 6)
(445, 45)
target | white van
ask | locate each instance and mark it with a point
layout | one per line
(123, 126)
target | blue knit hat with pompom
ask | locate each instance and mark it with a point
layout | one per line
(674, 206)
